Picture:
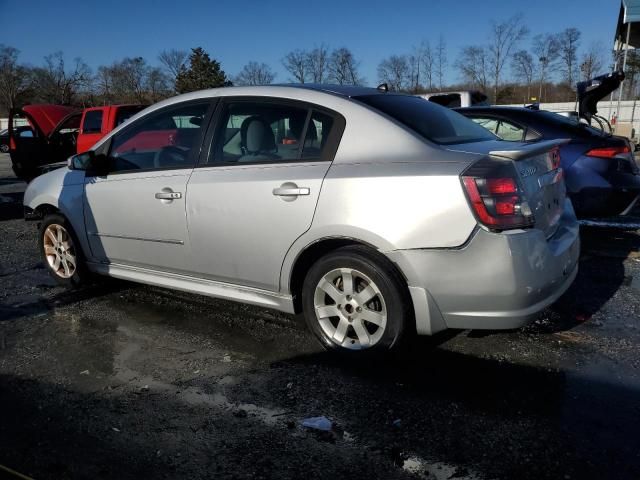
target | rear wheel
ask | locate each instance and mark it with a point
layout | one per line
(4, 148)
(61, 252)
(354, 301)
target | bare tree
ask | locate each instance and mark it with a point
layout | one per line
(254, 73)
(568, 43)
(428, 64)
(129, 79)
(296, 64)
(441, 60)
(545, 48)
(103, 83)
(317, 63)
(157, 84)
(343, 68)
(415, 68)
(592, 61)
(14, 78)
(474, 66)
(395, 72)
(523, 65)
(173, 60)
(504, 37)
(58, 84)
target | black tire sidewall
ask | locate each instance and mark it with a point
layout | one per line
(381, 274)
(80, 274)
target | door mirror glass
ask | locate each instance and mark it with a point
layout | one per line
(82, 161)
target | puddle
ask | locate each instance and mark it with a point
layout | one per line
(238, 340)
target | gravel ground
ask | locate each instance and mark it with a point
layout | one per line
(118, 380)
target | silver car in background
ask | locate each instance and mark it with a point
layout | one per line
(375, 214)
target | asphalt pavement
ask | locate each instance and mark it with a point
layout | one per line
(121, 381)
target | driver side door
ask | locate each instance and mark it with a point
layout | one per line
(134, 205)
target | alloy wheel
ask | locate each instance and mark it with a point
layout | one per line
(60, 251)
(350, 309)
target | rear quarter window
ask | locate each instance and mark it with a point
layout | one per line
(433, 122)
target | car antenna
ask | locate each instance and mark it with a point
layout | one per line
(383, 87)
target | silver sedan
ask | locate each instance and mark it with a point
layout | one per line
(375, 214)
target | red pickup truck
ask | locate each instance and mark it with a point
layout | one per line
(41, 135)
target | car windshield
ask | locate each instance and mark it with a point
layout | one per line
(433, 122)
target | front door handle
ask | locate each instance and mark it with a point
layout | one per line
(168, 195)
(291, 191)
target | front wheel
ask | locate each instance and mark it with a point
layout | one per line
(353, 300)
(61, 252)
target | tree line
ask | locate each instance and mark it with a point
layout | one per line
(510, 66)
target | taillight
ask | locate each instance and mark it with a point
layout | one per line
(497, 200)
(608, 152)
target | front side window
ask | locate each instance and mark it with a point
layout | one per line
(125, 113)
(92, 122)
(259, 132)
(160, 140)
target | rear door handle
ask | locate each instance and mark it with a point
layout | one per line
(168, 195)
(291, 191)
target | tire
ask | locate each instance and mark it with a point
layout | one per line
(59, 248)
(373, 319)
(4, 148)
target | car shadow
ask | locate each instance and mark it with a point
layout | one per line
(11, 206)
(601, 274)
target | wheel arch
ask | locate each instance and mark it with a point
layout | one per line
(317, 249)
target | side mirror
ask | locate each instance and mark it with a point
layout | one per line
(81, 161)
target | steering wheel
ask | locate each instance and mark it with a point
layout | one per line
(170, 155)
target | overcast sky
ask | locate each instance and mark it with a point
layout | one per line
(235, 32)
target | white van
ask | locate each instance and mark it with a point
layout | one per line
(467, 98)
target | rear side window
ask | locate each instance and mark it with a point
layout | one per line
(510, 132)
(265, 132)
(433, 122)
(92, 122)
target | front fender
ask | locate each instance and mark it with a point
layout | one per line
(64, 190)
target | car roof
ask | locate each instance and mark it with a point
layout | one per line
(494, 109)
(343, 90)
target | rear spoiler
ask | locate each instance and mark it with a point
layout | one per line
(529, 150)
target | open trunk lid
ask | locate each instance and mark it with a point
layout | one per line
(539, 174)
(590, 92)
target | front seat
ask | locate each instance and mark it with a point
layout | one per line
(257, 141)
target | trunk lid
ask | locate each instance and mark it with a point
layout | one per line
(539, 173)
(590, 92)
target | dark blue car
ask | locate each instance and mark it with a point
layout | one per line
(601, 174)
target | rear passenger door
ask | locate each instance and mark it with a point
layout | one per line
(256, 190)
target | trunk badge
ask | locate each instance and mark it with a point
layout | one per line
(527, 172)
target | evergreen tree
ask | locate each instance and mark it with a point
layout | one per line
(202, 73)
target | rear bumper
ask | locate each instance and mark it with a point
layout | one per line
(599, 188)
(604, 202)
(497, 281)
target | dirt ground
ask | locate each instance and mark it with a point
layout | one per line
(118, 380)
